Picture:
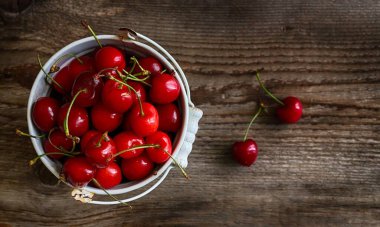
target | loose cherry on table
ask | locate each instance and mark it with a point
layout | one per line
(143, 119)
(127, 140)
(92, 86)
(100, 150)
(57, 143)
(137, 168)
(169, 117)
(104, 119)
(165, 89)
(109, 176)
(45, 113)
(78, 171)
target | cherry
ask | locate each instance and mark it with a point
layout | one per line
(109, 57)
(144, 122)
(63, 81)
(291, 111)
(137, 168)
(245, 152)
(78, 171)
(76, 67)
(162, 153)
(117, 97)
(92, 85)
(109, 176)
(99, 150)
(87, 137)
(150, 64)
(103, 119)
(78, 122)
(165, 89)
(169, 117)
(57, 142)
(140, 92)
(127, 140)
(45, 113)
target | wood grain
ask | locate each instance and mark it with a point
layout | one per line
(323, 171)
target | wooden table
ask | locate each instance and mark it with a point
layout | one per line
(321, 171)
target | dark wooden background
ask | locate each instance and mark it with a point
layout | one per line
(322, 171)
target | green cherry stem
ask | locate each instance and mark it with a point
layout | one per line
(34, 160)
(54, 68)
(258, 112)
(21, 133)
(60, 148)
(66, 121)
(135, 148)
(266, 90)
(47, 76)
(177, 164)
(104, 137)
(84, 23)
(116, 199)
(144, 71)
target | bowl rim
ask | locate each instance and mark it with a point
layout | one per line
(129, 186)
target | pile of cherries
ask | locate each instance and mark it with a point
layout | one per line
(288, 111)
(109, 118)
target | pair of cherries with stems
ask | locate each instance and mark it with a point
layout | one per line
(104, 84)
(289, 110)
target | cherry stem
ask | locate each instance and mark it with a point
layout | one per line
(101, 187)
(177, 164)
(47, 76)
(54, 68)
(34, 160)
(104, 137)
(84, 23)
(266, 90)
(130, 87)
(143, 71)
(163, 71)
(60, 148)
(135, 148)
(135, 78)
(21, 133)
(66, 121)
(258, 112)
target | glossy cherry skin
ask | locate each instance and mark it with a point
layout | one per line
(109, 176)
(109, 57)
(100, 154)
(127, 140)
(78, 171)
(143, 125)
(45, 113)
(56, 142)
(291, 112)
(137, 168)
(165, 89)
(169, 117)
(87, 137)
(78, 119)
(140, 90)
(103, 119)
(117, 97)
(151, 64)
(245, 152)
(76, 68)
(158, 155)
(64, 79)
(93, 86)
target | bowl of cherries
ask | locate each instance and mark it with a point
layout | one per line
(110, 115)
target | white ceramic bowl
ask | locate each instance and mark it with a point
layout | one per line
(190, 115)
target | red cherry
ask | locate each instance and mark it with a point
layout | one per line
(137, 168)
(109, 57)
(291, 111)
(45, 113)
(103, 119)
(140, 90)
(126, 140)
(117, 97)
(78, 171)
(146, 124)
(78, 119)
(64, 79)
(56, 142)
(165, 89)
(158, 155)
(93, 85)
(87, 137)
(245, 152)
(99, 150)
(169, 116)
(76, 68)
(109, 176)
(151, 64)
